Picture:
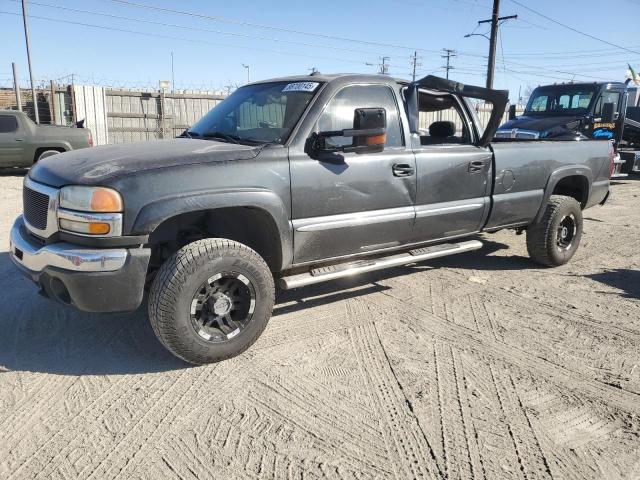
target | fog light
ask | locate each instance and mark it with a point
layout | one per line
(93, 228)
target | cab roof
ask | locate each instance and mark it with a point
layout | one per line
(342, 77)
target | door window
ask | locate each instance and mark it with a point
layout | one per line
(607, 97)
(8, 124)
(338, 114)
(441, 120)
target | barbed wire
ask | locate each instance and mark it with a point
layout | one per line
(148, 86)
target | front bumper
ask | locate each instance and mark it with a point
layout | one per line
(91, 279)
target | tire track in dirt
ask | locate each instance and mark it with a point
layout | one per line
(531, 459)
(409, 450)
(99, 428)
(325, 436)
(486, 346)
(145, 435)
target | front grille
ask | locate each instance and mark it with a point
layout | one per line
(517, 133)
(36, 207)
(527, 135)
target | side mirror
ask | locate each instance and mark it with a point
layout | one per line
(369, 133)
(512, 111)
(608, 113)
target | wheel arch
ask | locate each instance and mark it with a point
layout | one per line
(572, 181)
(257, 219)
(40, 150)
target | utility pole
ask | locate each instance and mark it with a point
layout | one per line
(448, 54)
(496, 20)
(416, 64)
(26, 38)
(384, 66)
(16, 85)
(173, 75)
(248, 75)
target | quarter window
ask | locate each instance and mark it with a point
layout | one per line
(8, 124)
(338, 114)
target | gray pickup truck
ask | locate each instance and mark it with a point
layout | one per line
(23, 142)
(293, 181)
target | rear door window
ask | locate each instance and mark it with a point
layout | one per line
(8, 124)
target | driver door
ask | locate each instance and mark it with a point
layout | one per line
(350, 203)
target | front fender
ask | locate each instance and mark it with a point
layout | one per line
(153, 214)
(566, 171)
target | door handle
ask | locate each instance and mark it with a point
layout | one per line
(476, 166)
(402, 170)
(19, 139)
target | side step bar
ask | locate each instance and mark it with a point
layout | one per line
(332, 272)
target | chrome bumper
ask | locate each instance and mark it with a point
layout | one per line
(66, 256)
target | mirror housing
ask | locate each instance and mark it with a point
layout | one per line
(369, 133)
(608, 113)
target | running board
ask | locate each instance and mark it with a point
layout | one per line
(332, 272)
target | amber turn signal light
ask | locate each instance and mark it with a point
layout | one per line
(105, 200)
(377, 140)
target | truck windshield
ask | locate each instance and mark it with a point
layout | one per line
(257, 114)
(560, 100)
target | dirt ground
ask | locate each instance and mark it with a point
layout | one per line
(475, 366)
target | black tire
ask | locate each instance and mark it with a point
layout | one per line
(545, 241)
(177, 290)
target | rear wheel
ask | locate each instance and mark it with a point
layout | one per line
(555, 239)
(46, 153)
(211, 300)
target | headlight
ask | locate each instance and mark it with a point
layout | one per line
(91, 211)
(91, 199)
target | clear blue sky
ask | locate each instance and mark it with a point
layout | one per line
(209, 53)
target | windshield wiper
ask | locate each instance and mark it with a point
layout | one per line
(222, 136)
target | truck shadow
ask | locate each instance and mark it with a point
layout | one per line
(13, 172)
(623, 279)
(477, 260)
(39, 335)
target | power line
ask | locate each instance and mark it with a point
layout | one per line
(197, 29)
(593, 37)
(171, 37)
(263, 26)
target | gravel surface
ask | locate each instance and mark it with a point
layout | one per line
(476, 366)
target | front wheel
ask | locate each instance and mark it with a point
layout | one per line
(554, 240)
(211, 300)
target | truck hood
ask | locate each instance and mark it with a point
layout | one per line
(550, 124)
(94, 166)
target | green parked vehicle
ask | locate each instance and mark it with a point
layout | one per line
(23, 142)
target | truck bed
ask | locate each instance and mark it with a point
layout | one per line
(522, 169)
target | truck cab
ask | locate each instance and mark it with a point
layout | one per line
(571, 111)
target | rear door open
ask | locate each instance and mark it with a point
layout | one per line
(498, 98)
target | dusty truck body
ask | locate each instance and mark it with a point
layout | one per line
(293, 181)
(23, 142)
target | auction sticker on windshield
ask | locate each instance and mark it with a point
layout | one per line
(301, 87)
